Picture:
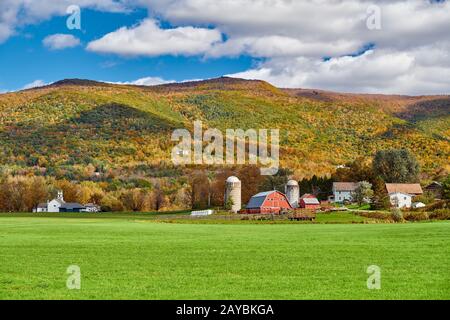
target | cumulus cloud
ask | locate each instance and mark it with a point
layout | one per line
(154, 81)
(61, 41)
(375, 71)
(410, 53)
(16, 13)
(34, 84)
(403, 22)
(151, 81)
(147, 81)
(149, 39)
(311, 43)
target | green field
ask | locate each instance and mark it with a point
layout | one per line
(130, 257)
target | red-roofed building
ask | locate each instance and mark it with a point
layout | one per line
(413, 189)
(270, 202)
(309, 201)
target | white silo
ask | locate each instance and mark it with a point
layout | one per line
(292, 192)
(233, 192)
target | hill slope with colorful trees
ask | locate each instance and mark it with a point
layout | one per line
(118, 137)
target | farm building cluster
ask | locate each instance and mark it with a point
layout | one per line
(275, 202)
(400, 195)
(59, 205)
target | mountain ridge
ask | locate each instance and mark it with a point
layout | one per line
(301, 92)
(76, 122)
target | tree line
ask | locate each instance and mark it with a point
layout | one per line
(201, 188)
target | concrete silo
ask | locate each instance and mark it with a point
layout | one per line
(233, 192)
(292, 191)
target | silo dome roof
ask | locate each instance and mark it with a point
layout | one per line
(233, 179)
(292, 183)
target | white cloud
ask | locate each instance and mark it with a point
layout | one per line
(404, 22)
(147, 81)
(149, 39)
(151, 81)
(411, 52)
(376, 71)
(410, 55)
(16, 13)
(34, 84)
(61, 41)
(108, 64)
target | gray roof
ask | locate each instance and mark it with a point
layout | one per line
(258, 199)
(311, 201)
(345, 186)
(42, 205)
(71, 206)
(265, 193)
(434, 183)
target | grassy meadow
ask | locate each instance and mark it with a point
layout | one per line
(133, 256)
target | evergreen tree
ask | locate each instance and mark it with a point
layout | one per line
(380, 196)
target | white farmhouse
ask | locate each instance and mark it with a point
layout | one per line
(401, 194)
(400, 200)
(343, 191)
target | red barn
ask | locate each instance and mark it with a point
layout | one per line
(267, 203)
(308, 201)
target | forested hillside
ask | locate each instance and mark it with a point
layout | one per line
(80, 130)
(81, 122)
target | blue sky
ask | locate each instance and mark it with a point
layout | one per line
(24, 58)
(362, 46)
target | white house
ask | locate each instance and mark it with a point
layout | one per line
(401, 194)
(343, 191)
(400, 200)
(413, 189)
(51, 206)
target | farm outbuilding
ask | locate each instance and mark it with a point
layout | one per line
(436, 188)
(270, 202)
(71, 207)
(309, 201)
